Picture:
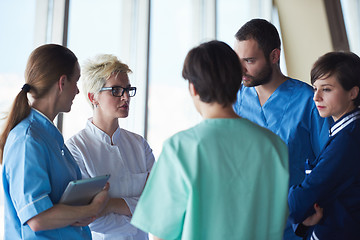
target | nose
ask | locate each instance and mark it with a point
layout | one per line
(125, 96)
(317, 96)
(243, 68)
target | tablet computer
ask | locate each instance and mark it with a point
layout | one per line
(81, 192)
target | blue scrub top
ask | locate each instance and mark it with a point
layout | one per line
(334, 183)
(290, 112)
(37, 167)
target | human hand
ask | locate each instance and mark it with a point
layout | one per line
(101, 199)
(315, 218)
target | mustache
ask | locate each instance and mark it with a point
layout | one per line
(248, 76)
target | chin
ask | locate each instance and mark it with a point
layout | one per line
(324, 115)
(247, 83)
(124, 115)
(66, 110)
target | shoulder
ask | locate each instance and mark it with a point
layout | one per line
(301, 96)
(300, 86)
(350, 135)
(133, 139)
(79, 138)
(263, 134)
(26, 139)
(185, 135)
(131, 135)
(26, 130)
(234, 129)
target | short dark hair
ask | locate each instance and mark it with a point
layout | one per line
(263, 32)
(215, 70)
(344, 66)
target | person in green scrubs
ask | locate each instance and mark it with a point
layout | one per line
(226, 177)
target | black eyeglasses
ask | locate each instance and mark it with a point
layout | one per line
(119, 91)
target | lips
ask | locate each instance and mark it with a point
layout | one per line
(244, 78)
(125, 106)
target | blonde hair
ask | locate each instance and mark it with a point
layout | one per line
(96, 71)
(46, 64)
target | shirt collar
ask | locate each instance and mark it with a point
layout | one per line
(47, 124)
(344, 121)
(43, 115)
(101, 135)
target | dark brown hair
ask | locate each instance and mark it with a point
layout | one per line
(263, 32)
(215, 70)
(344, 66)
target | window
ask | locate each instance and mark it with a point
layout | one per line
(121, 27)
(115, 27)
(18, 25)
(93, 33)
(351, 10)
(172, 35)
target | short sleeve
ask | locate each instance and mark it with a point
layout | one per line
(29, 194)
(162, 206)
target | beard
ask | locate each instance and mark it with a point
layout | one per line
(260, 79)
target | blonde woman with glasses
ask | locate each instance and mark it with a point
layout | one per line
(105, 148)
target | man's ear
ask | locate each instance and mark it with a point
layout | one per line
(61, 82)
(192, 90)
(275, 56)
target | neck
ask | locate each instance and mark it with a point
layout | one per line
(49, 104)
(109, 126)
(44, 106)
(266, 90)
(349, 109)
(215, 110)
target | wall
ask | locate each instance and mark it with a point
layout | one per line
(305, 34)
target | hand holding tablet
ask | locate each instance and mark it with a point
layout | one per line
(81, 192)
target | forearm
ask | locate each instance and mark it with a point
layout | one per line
(61, 215)
(118, 206)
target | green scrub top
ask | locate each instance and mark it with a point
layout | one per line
(222, 179)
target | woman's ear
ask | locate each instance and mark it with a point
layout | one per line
(92, 99)
(61, 82)
(354, 92)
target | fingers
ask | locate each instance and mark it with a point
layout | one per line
(317, 206)
(318, 210)
(315, 218)
(107, 186)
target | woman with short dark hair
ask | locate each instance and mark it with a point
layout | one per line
(326, 204)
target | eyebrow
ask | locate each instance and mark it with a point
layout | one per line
(324, 85)
(248, 58)
(129, 85)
